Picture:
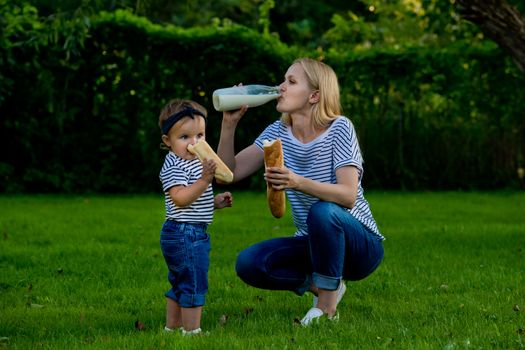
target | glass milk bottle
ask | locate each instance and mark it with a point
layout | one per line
(232, 98)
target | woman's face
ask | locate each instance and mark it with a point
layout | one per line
(186, 131)
(296, 92)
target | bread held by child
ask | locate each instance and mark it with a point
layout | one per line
(203, 151)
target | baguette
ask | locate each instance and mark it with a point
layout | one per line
(203, 151)
(273, 157)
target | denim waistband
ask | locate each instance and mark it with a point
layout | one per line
(201, 225)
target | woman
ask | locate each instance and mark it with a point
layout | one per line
(337, 238)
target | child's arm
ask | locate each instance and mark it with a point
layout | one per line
(223, 200)
(183, 196)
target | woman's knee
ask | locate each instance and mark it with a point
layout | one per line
(322, 209)
(248, 267)
(244, 264)
(320, 214)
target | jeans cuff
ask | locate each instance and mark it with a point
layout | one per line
(170, 294)
(304, 287)
(192, 300)
(326, 282)
(187, 300)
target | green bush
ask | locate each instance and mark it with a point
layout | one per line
(86, 120)
(90, 124)
(436, 119)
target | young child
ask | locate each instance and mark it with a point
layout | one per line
(189, 200)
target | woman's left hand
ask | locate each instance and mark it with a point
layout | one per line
(282, 178)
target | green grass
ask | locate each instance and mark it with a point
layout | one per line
(78, 272)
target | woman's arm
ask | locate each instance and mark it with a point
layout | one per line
(225, 149)
(344, 192)
(245, 162)
(248, 161)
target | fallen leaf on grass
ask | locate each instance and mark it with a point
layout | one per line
(139, 326)
(223, 319)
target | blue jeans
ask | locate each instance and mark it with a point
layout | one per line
(337, 247)
(186, 249)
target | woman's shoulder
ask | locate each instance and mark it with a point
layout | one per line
(277, 124)
(343, 128)
(341, 123)
(276, 127)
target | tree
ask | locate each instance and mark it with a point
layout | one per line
(401, 24)
(500, 22)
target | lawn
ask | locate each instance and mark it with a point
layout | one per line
(87, 273)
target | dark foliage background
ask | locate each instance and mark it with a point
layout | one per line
(79, 105)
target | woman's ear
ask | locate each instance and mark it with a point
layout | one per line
(166, 140)
(314, 97)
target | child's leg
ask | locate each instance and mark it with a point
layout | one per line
(191, 317)
(173, 314)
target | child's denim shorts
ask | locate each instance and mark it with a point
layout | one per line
(186, 249)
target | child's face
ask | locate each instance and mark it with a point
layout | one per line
(186, 131)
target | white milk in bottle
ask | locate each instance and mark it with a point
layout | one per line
(232, 98)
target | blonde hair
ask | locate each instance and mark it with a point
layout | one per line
(320, 77)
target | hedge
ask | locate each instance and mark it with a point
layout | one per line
(427, 119)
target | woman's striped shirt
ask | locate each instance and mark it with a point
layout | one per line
(181, 172)
(318, 160)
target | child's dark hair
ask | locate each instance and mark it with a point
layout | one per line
(177, 105)
(174, 111)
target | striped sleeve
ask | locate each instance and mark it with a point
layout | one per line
(346, 149)
(172, 175)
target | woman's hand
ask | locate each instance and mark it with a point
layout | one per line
(223, 200)
(234, 116)
(282, 178)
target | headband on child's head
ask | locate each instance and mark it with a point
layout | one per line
(186, 112)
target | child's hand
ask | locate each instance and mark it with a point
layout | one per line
(208, 170)
(223, 200)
